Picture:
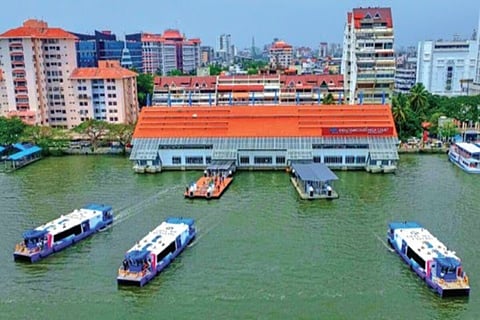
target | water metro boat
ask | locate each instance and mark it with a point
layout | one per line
(466, 156)
(155, 251)
(62, 232)
(430, 259)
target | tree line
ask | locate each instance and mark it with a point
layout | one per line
(54, 140)
(419, 107)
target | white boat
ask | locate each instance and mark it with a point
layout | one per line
(466, 156)
(429, 258)
(155, 251)
(63, 232)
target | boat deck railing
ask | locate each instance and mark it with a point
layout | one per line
(132, 274)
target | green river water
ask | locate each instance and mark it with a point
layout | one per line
(260, 253)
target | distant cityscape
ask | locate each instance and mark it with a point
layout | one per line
(60, 78)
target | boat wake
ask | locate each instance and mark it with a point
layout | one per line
(201, 233)
(137, 207)
(384, 243)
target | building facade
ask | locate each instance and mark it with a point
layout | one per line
(3, 96)
(281, 55)
(108, 93)
(368, 62)
(247, 90)
(266, 137)
(169, 51)
(443, 66)
(103, 45)
(37, 61)
(406, 75)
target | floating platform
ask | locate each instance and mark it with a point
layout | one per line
(215, 180)
(313, 180)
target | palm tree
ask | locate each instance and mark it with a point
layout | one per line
(398, 108)
(418, 98)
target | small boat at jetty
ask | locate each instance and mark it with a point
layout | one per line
(62, 232)
(155, 251)
(430, 259)
(466, 156)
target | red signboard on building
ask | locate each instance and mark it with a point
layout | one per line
(358, 131)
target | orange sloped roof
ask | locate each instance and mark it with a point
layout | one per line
(106, 70)
(266, 121)
(377, 14)
(37, 29)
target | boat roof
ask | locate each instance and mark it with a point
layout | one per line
(221, 165)
(426, 245)
(313, 172)
(74, 218)
(25, 151)
(160, 237)
(469, 147)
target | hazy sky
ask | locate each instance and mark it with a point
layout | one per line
(299, 22)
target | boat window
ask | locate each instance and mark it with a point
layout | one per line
(169, 249)
(75, 230)
(413, 255)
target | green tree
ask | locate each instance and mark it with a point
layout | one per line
(215, 69)
(121, 133)
(175, 72)
(418, 99)
(94, 130)
(48, 138)
(11, 130)
(328, 99)
(144, 88)
(448, 130)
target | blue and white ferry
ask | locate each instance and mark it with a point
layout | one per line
(466, 156)
(63, 232)
(155, 251)
(438, 266)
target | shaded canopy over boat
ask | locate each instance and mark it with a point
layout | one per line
(448, 262)
(137, 255)
(313, 172)
(34, 234)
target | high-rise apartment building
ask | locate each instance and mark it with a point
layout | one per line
(107, 92)
(225, 51)
(167, 52)
(41, 84)
(37, 61)
(103, 45)
(368, 62)
(281, 54)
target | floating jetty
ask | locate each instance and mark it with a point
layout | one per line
(313, 180)
(215, 180)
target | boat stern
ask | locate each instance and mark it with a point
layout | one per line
(129, 278)
(457, 288)
(22, 253)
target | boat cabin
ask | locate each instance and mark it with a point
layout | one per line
(35, 239)
(136, 261)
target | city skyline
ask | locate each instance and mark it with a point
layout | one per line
(263, 20)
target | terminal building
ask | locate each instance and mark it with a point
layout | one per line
(265, 137)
